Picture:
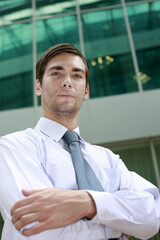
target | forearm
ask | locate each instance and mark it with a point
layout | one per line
(132, 213)
(52, 208)
(90, 206)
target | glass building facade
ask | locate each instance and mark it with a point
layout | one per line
(119, 38)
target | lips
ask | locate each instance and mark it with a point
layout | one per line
(66, 95)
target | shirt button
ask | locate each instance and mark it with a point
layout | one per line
(98, 222)
(131, 218)
(106, 215)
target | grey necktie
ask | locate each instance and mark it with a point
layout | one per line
(85, 176)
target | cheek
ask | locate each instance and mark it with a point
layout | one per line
(46, 92)
(50, 87)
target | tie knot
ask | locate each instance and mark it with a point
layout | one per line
(70, 136)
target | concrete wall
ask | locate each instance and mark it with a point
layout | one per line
(102, 120)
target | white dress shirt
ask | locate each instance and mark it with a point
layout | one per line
(38, 158)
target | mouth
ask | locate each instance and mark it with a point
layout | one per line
(65, 95)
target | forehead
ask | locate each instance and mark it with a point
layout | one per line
(66, 60)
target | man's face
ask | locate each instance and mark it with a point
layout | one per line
(63, 87)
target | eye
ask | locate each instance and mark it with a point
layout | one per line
(55, 73)
(77, 76)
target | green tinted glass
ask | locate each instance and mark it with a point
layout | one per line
(56, 30)
(145, 25)
(50, 7)
(15, 41)
(157, 149)
(13, 10)
(87, 4)
(138, 159)
(133, 1)
(16, 66)
(1, 225)
(108, 52)
(16, 91)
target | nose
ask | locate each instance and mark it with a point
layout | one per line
(67, 82)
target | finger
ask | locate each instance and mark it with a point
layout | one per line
(21, 203)
(37, 228)
(27, 192)
(19, 212)
(25, 220)
(30, 192)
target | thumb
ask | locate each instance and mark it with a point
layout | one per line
(27, 192)
(30, 192)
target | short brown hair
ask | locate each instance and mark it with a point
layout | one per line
(53, 51)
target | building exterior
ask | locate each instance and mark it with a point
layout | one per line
(120, 39)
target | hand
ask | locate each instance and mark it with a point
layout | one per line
(51, 208)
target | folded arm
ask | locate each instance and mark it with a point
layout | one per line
(51, 208)
(133, 209)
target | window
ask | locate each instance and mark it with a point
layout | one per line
(145, 25)
(107, 49)
(16, 78)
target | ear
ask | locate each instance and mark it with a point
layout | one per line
(86, 92)
(38, 87)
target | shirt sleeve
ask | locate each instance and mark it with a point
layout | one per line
(133, 209)
(20, 168)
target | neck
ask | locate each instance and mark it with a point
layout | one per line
(69, 123)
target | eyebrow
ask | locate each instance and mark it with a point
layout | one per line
(78, 70)
(58, 67)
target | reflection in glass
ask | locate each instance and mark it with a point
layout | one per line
(50, 7)
(157, 149)
(15, 40)
(16, 91)
(145, 25)
(149, 64)
(111, 75)
(56, 30)
(108, 52)
(138, 159)
(16, 66)
(11, 11)
(87, 4)
(1, 224)
(132, 1)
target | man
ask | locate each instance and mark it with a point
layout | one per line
(40, 198)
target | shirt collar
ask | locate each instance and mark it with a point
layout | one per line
(52, 128)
